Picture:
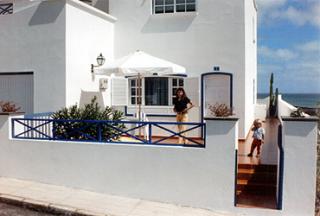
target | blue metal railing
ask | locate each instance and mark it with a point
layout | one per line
(105, 131)
(280, 167)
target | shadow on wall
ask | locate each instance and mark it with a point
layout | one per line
(167, 23)
(87, 96)
(47, 12)
(101, 5)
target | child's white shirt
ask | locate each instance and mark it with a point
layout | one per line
(258, 133)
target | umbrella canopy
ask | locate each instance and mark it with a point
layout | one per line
(140, 63)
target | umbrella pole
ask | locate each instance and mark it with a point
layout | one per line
(139, 100)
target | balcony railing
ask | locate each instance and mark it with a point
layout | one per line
(121, 132)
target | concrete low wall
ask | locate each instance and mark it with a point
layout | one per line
(300, 165)
(198, 177)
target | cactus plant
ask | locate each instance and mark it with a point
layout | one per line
(273, 99)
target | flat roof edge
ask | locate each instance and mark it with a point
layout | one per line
(92, 10)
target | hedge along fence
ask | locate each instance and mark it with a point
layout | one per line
(82, 130)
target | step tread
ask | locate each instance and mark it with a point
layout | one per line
(258, 167)
(246, 171)
(247, 182)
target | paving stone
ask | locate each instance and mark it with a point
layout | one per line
(68, 201)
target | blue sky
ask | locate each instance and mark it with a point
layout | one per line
(289, 45)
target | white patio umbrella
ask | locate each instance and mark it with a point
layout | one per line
(140, 64)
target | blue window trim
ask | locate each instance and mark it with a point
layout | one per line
(202, 89)
(168, 75)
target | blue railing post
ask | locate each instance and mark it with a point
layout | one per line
(150, 133)
(281, 169)
(204, 132)
(99, 132)
(12, 128)
(53, 130)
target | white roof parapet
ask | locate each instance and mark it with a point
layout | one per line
(91, 9)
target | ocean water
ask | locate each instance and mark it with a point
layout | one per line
(300, 100)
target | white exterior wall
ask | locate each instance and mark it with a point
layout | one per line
(250, 96)
(33, 39)
(199, 177)
(89, 32)
(61, 39)
(214, 35)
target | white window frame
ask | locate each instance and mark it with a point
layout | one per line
(174, 7)
(176, 87)
(170, 91)
(136, 88)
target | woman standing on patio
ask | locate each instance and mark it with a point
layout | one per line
(181, 106)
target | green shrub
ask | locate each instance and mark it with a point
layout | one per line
(80, 130)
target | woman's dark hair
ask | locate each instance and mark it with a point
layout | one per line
(184, 93)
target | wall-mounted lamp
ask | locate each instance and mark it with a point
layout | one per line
(100, 60)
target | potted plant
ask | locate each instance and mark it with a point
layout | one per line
(220, 110)
(8, 107)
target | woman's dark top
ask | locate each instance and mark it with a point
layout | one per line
(180, 105)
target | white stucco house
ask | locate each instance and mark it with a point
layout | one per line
(51, 63)
(48, 54)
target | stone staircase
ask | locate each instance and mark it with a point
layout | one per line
(256, 185)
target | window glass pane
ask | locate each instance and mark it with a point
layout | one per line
(169, 9)
(169, 2)
(180, 1)
(191, 1)
(133, 83)
(156, 91)
(191, 7)
(174, 82)
(181, 82)
(133, 91)
(159, 2)
(181, 8)
(159, 9)
(133, 100)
